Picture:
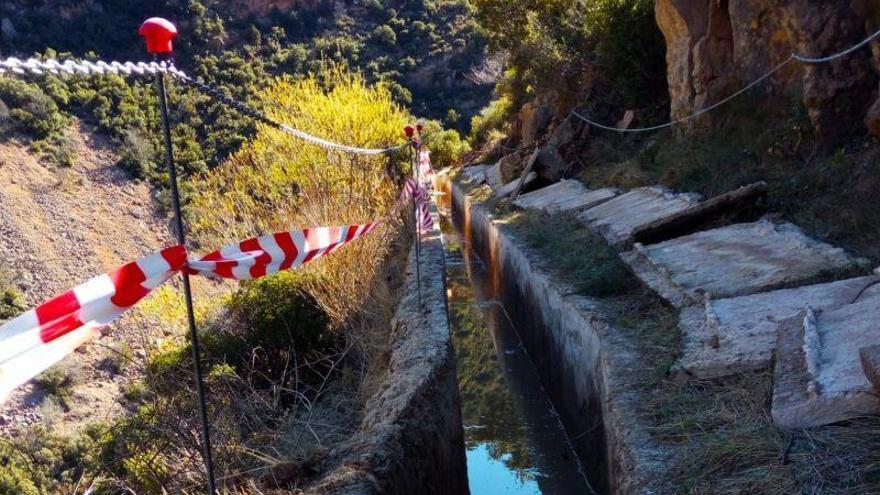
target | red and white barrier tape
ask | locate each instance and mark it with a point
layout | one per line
(262, 256)
(426, 171)
(39, 338)
(418, 193)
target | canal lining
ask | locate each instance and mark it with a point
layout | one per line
(522, 422)
(586, 366)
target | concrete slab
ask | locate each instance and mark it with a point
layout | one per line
(509, 188)
(492, 177)
(564, 196)
(819, 378)
(728, 336)
(617, 218)
(475, 174)
(736, 260)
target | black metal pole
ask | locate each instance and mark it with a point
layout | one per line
(415, 162)
(187, 289)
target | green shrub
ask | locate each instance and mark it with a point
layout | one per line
(385, 34)
(271, 319)
(137, 154)
(59, 381)
(11, 301)
(446, 145)
(30, 109)
(492, 118)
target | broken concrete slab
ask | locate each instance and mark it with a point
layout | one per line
(736, 260)
(616, 219)
(728, 336)
(492, 178)
(564, 196)
(509, 188)
(870, 357)
(475, 174)
(819, 378)
(687, 221)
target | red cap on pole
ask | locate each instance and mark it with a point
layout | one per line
(409, 130)
(159, 33)
(420, 127)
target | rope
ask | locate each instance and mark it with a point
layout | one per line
(84, 67)
(693, 115)
(774, 70)
(261, 117)
(862, 44)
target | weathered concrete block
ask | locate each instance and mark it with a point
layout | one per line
(563, 196)
(728, 336)
(736, 260)
(616, 219)
(475, 173)
(492, 177)
(870, 357)
(509, 188)
(818, 378)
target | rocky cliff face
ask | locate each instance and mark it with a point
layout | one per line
(716, 46)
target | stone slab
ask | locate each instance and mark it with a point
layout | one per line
(492, 177)
(728, 336)
(475, 174)
(736, 260)
(870, 357)
(819, 378)
(618, 218)
(509, 188)
(564, 196)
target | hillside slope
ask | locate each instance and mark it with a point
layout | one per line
(59, 228)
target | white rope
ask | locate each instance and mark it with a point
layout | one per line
(863, 43)
(754, 83)
(336, 146)
(84, 67)
(87, 68)
(694, 115)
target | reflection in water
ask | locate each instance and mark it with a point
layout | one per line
(515, 441)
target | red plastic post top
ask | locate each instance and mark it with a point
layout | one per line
(420, 127)
(159, 34)
(409, 130)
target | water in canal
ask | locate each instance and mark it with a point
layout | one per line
(515, 441)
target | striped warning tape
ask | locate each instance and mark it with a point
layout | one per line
(261, 256)
(39, 338)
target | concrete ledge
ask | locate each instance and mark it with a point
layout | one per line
(586, 366)
(411, 439)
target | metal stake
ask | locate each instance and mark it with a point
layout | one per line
(187, 290)
(417, 144)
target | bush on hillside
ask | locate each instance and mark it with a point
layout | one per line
(11, 301)
(30, 109)
(446, 145)
(278, 183)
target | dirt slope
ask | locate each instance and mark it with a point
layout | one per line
(59, 228)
